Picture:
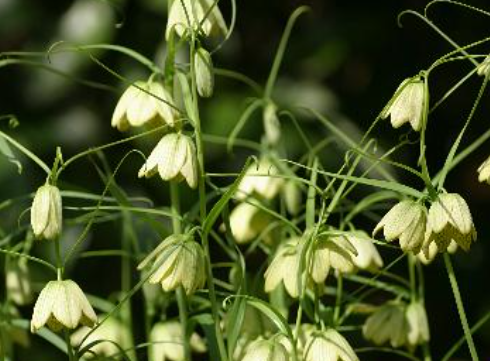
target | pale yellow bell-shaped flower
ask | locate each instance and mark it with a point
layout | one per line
(484, 170)
(367, 257)
(407, 105)
(110, 332)
(46, 213)
(331, 250)
(166, 342)
(285, 268)
(144, 103)
(203, 65)
(406, 221)
(247, 221)
(177, 262)
(388, 324)
(449, 219)
(183, 16)
(266, 350)
(62, 305)
(18, 282)
(418, 326)
(329, 345)
(260, 179)
(174, 158)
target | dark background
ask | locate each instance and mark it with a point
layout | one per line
(345, 58)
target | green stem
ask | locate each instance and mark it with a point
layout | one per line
(413, 280)
(338, 299)
(181, 296)
(182, 303)
(202, 208)
(460, 307)
(71, 354)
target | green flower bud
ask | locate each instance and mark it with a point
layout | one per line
(292, 197)
(449, 219)
(136, 107)
(198, 15)
(406, 222)
(174, 158)
(329, 345)
(387, 324)
(266, 350)
(178, 262)
(62, 305)
(166, 342)
(272, 126)
(407, 105)
(204, 73)
(46, 213)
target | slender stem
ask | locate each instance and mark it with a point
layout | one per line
(71, 354)
(202, 207)
(338, 299)
(181, 301)
(59, 261)
(459, 305)
(181, 296)
(413, 280)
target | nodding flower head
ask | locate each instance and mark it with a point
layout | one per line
(266, 350)
(177, 262)
(174, 158)
(449, 219)
(328, 345)
(407, 105)
(406, 221)
(62, 305)
(144, 103)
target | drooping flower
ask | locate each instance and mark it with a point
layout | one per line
(406, 221)
(418, 326)
(407, 105)
(46, 213)
(329, 345)
(247, 221)
(367, 257)
(62, 305)
(109, 333)
(266, 350)
(260, 179)
(285, 268)
(387, 325)
(449, 219)
(484, 170)
(174, 158)
(331, 251)
(177, 262)
(166, 342)
(144, 103)
(183, 16)
(204, 73)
